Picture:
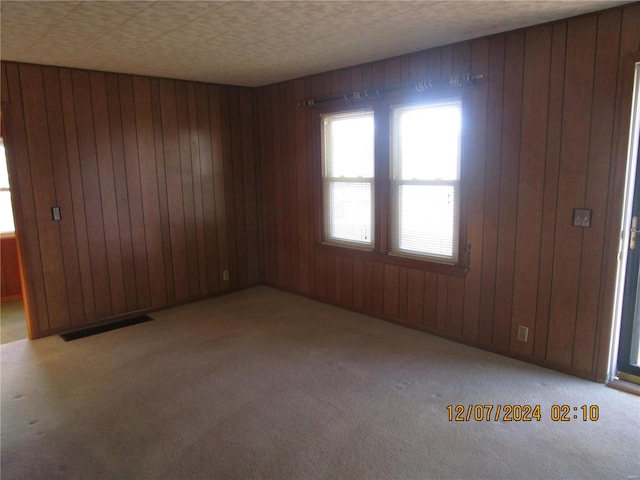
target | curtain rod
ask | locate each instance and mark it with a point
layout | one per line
(455, 81)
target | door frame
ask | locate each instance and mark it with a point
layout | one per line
(629, 187)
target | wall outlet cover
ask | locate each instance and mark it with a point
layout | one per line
(523, 333)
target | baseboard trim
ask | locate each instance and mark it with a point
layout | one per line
(625, 386)
(8, 298)
(591, 376)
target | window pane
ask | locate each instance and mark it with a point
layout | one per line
(6, 214)
(427, 216)
(348, 170)
(4, 176)
(429, 142)
(350, 145)
(425, 173)
(350, 215)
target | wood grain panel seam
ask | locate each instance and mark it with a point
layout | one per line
(557, 186)
(55, 191)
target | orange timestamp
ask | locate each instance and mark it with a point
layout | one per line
(521, 413)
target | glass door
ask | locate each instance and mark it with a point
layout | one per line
(629, 342)
(628, 357)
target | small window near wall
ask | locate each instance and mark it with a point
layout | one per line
(348, 178)
(6, 211)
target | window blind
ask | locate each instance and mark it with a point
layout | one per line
(6, 211)
(425, 180)
(348, 178)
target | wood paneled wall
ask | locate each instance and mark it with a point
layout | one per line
(10, 286)
(156, 183)
(546, 130)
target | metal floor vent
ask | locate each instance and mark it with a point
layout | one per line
(87, 332)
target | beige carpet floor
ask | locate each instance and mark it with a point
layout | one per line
(264, 384)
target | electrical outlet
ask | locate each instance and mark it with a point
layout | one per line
(225, 275)
(523, 333)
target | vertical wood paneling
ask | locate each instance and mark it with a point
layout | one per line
(35, 118)
(418, 66)
(367, 285)
(207, 187)
(455, 308)
(347, 281)
(121, 193)
(599, 163)
(247, 113)
(237, 187)
(312, 201)
(10, 287)
(378, 280)
(550, 198)
(265, 170)
(430, 300)
(434, 62)
(138, 172)
(301, 181)
(218, 181)
(474, 155)
(149, 190)
(20, 171)
(535, 100)
(107, 191)
(174, 188)
(77, 196)
(532, 151)
(509, 167)
(292, 185)
(358, 283)
(442, 291)
(415, 296)
(134, 192)
(391, 290)
(187, 200)
(196, 169)
(576, 121)
(91, 189)
(280, 173)
(163, 205)
(492, 188)
(402, 294)
(337, 283)
(55, 121)
(330, 276)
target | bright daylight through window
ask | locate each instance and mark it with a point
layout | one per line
(6, 213)
(425, 180)
(348, 176)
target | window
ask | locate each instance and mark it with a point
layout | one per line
(425, 180)
(419, 144)
(6, 212)
(348, 178)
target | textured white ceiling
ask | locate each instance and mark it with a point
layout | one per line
(252, 42)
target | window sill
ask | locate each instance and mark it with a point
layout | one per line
(424, 265)
(7, 235)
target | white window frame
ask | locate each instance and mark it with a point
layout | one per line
(328, 181)
(7, 188)
(395, 184)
